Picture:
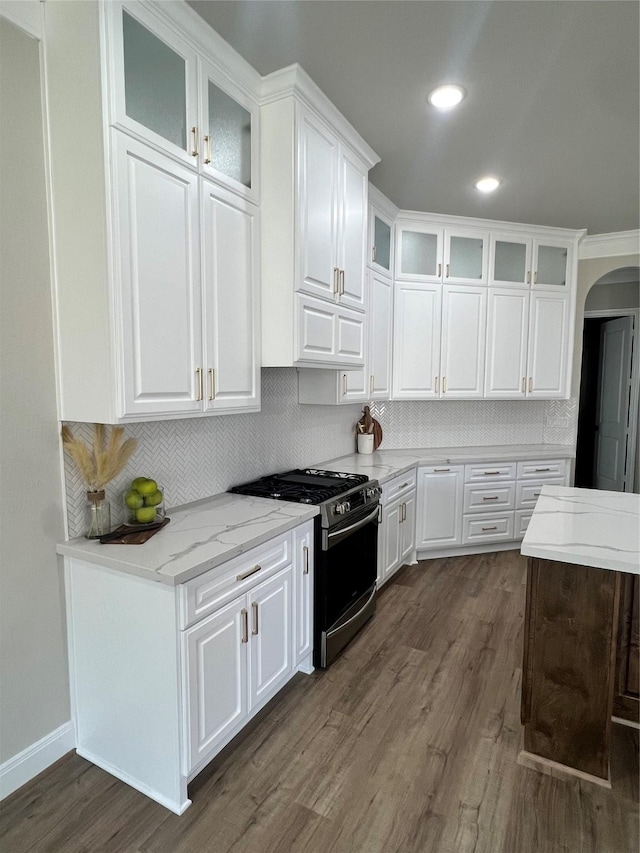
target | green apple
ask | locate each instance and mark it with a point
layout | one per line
(146, 514)
(137, 482)
(149, 487)
(153, 500)
(133, 500)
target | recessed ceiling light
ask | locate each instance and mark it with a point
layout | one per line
(446, 97)
(487, 185)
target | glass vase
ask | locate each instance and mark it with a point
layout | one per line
(98, 515)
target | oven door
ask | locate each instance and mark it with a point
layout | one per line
(346, 581)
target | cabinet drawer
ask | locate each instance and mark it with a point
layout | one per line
(522, 517)
(202, 595)
(527, 493)
(542, 470)
(489, 471)
(399, 486)
(487, 528)
(481, 498)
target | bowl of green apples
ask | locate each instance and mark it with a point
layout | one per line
(143, 502)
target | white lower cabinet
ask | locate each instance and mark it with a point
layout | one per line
(163, 677)
(480, 505)
(440, 493)
(396, 533)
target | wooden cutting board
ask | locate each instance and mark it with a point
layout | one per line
(368, 421)
(126, 535)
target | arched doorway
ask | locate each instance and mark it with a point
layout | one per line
(606, 454)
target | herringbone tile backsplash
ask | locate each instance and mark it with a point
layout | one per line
(198, 457)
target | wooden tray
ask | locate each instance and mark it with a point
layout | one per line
(126, 535)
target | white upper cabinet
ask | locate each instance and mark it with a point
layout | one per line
(432, 253)
(465, 256)
(416, 341)
(506, 357)
(464, 319)
(382, 214)
(553, 262)
(177, 99)
(509, 260)
(419, 253)
(549, 335)
(156, 252)
(314, 227)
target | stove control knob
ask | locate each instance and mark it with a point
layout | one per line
(340, 509)
(372, 493)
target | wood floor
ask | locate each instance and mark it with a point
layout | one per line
(408, 744)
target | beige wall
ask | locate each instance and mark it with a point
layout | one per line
(606, 297)
(33, 670)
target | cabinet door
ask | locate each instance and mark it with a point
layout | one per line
(380, 319)
(230, 235)
(416, 341)
(154, 81)
(217, 697)
(464, 323)
(303, 567)
(389, 541)
(552, 265)
(548, 356)
(408, 527)
(509, 261)
(419, 253)
(229, 134)
(380, 242)
(318, 226)
(157, 233)
(271, 637)
(507, 327)
(439, 508)
(352, 230)
(465, 256)
(328, 334)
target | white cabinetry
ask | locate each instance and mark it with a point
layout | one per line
(314, 213)
(439, 341)
(439, 508)
(430, 252)
(195, 661)
(396, 533)
(480, 505)
(148, 326)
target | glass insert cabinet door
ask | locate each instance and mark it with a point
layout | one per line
(510, 264)
(550, 265)
(420, 254)
(381, 243)
(465, 258)
(155, 82)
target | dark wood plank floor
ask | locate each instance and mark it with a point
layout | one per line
(408, 744)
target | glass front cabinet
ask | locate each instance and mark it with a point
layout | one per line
(431, 254)
(543, 264)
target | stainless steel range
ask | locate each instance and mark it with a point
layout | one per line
(346, 548)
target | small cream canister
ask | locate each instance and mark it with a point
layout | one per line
(365, 443)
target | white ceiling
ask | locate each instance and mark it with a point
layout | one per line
(552, 103)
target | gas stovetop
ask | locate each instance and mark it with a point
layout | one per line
(337, 493)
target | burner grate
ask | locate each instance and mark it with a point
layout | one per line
(309, 485)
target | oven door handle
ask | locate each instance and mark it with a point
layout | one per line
(356, 526)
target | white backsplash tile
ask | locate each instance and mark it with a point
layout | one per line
(198, 457)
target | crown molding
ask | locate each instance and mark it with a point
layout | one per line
(26, 14)
(609, 245)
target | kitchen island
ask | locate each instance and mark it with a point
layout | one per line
(581, 544)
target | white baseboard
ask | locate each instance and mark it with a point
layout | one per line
(20, 769)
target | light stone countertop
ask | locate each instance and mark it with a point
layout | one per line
(199, 537)
(384, 465)
(588, 527)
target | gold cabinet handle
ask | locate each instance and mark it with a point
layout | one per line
(373, 253)
(541, 470)
(371, 385)
(437, 380)
(207, 156)
(530, 384)
(439, 270)
(341, 283)
(535, 277)
(491, 498)
(444, 384)
(447, 271)
(305, 551)
(404, 513)
(528, 276)
(194, 136)
(441, 470)
(524, 384)
(199, 377)
(254, 613)
(245, 625)
(344, 384)
(490, 473)
(336, 280)
(489, 528)
(248, 574)
(212, 383)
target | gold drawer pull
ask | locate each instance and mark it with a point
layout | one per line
(492, 473)
(248, 574)
(540, 470)
(254, 609)
(305, 551)
(245, 625)
(489, 528)
(441, 470)
(194, 136)
(492, 498)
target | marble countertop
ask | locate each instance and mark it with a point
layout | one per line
(383, 465)
(586, 526)
(199, 537)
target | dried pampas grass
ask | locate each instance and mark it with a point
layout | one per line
(104, 460)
